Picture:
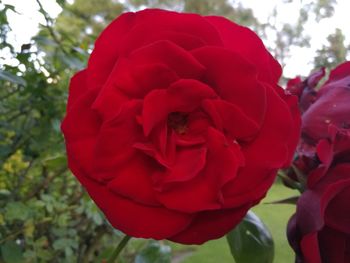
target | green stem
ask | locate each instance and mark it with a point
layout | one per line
(294, 184)
(118, 249)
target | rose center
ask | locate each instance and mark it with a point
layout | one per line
(178, 122)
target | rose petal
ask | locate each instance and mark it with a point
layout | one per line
(155, 222)
(223, 161)
(173, 56)
(310, 248)
(245, 42)
(229, 117)
(132, 180)
(77, 88)
(182, 96)
(107, 49)
(332, 245)
(234, 79)
(210, 225)
(189, 162)
(115, 140)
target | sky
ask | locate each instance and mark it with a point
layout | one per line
(26, 24)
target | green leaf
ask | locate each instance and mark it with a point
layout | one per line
(290, 200)
(17, 211)
(155, 252)
(251, 241)
(5, 75)
(11, 252)
(56, 161)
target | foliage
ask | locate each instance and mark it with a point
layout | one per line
(251, 235)
(334, 53)
(45, 215)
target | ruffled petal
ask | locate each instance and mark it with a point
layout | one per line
(245, 42)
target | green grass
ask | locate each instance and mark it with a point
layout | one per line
(275, 216)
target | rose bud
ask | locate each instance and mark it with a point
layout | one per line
(177, 126)
(320, 231)
(331, 106)
(305, 90)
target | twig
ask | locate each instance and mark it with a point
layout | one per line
(48, 25)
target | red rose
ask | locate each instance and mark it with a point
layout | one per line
(320, 230)
(177, 126)
(331, 106)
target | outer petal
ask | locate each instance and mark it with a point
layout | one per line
(310, 248)
(107, 49)
(234, 79)
(245, 42)
(331, 108)
(173, 56)
(210, 225)
(128, 216)
(77, 88)
(333, 246)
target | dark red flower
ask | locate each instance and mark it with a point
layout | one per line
(306, 89)
(320, 230)
(331, 106)
(177, 126)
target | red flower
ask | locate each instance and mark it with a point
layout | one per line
(305, 90)
(331, 106)
(320, 230)
(177, 126)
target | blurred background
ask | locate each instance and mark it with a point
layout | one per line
(45, 216)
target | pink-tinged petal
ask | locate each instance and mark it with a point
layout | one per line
(133, 180)
(310, 248)
(139, 220)
(173, 56)
(231, 119)
(234, 79)
(245, 42)
(77, 88)
(107, 49)
(210, 225)
(182, 96)
(223, 160)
